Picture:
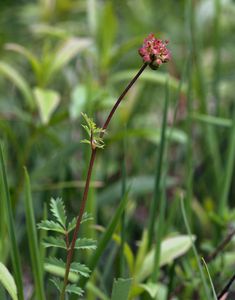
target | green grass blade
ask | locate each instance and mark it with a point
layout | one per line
(217, 53)
(203, 279)
(155, 201)
(228, 171)
(107, 236)
(11, 230)
(36, 260)
(209, 276)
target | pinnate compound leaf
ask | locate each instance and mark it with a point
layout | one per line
(72, 224)
(121, 288)
(8, 282)
(58, 210)
(86, 217)
(57, 242)
(73, 289)
(58, 283)
(84, 243)
(57, 268)
(51, 225)
(55, 261)
(93, 132)
(80, 269)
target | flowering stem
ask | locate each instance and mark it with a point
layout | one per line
(88, 178)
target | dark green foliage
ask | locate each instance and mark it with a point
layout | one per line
(62, 228)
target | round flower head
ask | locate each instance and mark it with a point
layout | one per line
(154, 51)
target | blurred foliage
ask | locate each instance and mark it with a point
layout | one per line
(59, 58)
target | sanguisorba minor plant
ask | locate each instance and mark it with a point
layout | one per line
(154, 53)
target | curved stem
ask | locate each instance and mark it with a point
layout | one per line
(88, 178)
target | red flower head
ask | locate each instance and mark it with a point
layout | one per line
(154, 51)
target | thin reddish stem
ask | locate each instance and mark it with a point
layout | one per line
(86, 189)
(121, 97)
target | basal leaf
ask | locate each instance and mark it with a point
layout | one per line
(51, 225)
(73, 289)
(58, 210)
(8, 282)
(86, 217)
(56, 242)
(57, 267)
(55, 261)
(85, 244)
(72, 224)
(58, 283)
(80, 269)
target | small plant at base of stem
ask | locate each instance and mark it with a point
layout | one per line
(60, 240)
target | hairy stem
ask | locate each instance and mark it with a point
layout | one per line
(88, 178)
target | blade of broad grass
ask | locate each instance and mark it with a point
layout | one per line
(211, 120)
(96, 291)
(155, 201)
(8, 282)
(2, 293)
(106, 237)
(35, 254)
(121, 288)
(228, 171)
(11, 229)
(203, 279)
(9, 72)
(211, 283)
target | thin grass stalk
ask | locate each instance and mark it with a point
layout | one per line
(217, 52)
(189, 159)
(155, 201)
(211, 140)
(160, 194)
(3, 244)
(228, 171)
(203, 279)
(90, 168)
(211, 282)
(15, 257)
(123, 218)
(36, 260)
